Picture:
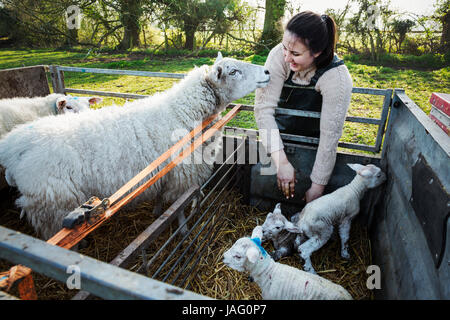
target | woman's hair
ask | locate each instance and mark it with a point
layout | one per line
(317, 32)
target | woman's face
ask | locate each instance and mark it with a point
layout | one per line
(296, 53)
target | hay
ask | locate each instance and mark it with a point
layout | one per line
(208, 276)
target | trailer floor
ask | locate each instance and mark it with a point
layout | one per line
(212, 278)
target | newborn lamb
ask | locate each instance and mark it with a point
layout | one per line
(317, 220)
(281, 231)
(278, 281)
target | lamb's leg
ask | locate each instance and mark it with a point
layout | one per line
(298, 241)
(311, 245)
(344, 233)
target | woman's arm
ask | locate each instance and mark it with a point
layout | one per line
(335, 85)
(266, 100)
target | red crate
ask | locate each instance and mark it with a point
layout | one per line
(441, 119)
(441, 101)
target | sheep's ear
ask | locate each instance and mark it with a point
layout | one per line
(218, 72)
(252, 254)
(94, 100)
(356, 166)
(219, 57)
(289, 226)
(61, 103)
(257, 232)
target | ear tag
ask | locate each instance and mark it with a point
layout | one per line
(257, 241)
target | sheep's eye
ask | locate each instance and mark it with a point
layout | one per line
(237, 257)
(233, 72)
(278, 228)
(69, 107)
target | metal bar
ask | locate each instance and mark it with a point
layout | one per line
(102, 279)
(60, 80)
(56, 81)
(205, 236)
(191, 272)
(310, 114)
(142, 241)
(356, 146)
(192, 214)
(124, 72)
(106, 93)
(155, 229)
(197, 235)
(182, 240)
(313, 140)
(374, 91)
(384, 115)
(221, 166)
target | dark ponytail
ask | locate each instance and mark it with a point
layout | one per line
(317, 32)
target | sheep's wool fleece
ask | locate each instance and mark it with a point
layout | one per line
(58, 163)
(16, 111)
(282, 282)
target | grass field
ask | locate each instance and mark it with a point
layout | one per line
(418, 79)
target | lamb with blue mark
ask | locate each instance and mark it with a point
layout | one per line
(279, 281)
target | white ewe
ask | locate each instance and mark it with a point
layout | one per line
(59, 163)
(15, 111)
(317, 220)
(278, 281)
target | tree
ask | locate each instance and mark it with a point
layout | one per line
(130, 13)
(442, 14)
(273, 29)
(190, 16)
(400, 28)
(369, 24)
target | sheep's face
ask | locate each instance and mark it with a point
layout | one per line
(373, 176)
(69, 104)
(275, 223)
(235, 79)
(242, 253)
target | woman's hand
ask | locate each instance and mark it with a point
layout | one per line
(285, 174)
(314, 192)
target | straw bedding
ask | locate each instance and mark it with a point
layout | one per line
(208, 276)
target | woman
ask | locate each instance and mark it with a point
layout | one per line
(305, 75)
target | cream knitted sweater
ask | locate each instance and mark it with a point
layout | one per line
(335, 85)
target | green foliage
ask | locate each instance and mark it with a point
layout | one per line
(419, 76)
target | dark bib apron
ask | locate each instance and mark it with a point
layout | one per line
(302, 97)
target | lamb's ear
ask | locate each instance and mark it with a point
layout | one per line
(277, 207)
(252, 254)
(356, 166)
(61, 103)
(94, 100)
(289, 226)
(219, 57)
(257, 232)
(366, 173)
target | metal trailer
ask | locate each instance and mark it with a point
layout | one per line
(407, 218)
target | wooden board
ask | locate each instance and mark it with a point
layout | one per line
(24, 82)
